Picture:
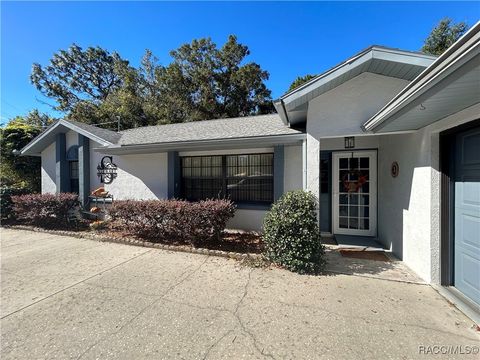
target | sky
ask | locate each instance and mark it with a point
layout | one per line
(287, 39)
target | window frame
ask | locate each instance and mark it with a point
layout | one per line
(224, 193)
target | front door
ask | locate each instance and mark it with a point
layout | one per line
(467, 214)
(355, 193)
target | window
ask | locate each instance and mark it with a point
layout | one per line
(73, 171)
(241, 178)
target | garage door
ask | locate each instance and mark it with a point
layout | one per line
(467, 214)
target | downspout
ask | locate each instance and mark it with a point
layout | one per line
(304, 164)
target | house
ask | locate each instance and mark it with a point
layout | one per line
(388, 141)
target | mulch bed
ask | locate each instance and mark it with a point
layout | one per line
(244, 242)
(237, 242)
(366, 255)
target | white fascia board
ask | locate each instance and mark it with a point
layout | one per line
(327, 77)
(458, 54)
(403, 57)
(40, 137)
(203, 144)
(66, 124)
(87, 134)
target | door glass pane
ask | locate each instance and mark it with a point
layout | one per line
(365, 188)
(353, 163)
(353, 211)
(364, 163)
(353, 223)
(363, 211)
(343, 199)
(365, 224)
(343, 222)
(364, 200)
(353, 198)
(343, 163)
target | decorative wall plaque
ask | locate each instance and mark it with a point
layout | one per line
(106, 170)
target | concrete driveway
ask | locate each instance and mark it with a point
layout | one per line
(65, 298)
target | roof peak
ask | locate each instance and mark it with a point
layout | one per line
(354, 57)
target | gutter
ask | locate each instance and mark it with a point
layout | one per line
(448, 59)
(209, 143)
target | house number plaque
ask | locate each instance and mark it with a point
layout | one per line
(107, 170)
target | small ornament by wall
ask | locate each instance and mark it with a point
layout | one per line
(395, 169)
(107, 170)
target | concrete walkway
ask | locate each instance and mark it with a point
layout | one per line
(72, 298)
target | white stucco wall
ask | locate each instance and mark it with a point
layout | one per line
(342, 110)
(139, 177)
(247, 219)
(404, 205)
(48, 170)
(409, 205)
(361, 143)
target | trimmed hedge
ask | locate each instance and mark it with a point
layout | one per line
(291, 234)
(45, 210)
(6, 204)
(172, 220)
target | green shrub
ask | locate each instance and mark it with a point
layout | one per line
(291, 234)
(6, 204)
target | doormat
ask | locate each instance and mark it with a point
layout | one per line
(365, 255)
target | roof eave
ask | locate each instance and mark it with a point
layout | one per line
(439, 69)
(254, 141)
(29, 149)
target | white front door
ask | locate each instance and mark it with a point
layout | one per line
(355, 193)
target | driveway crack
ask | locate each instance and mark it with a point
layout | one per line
(250, 334)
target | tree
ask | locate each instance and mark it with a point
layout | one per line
(300, 81)
(36, 118)
(76, 77)
(202, 82)
(205, 82)
(19, 171)
(443, 36)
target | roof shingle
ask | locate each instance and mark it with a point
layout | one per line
(105, 134)
(242, 127)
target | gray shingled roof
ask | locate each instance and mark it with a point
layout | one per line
(242, 127)
(107, 135)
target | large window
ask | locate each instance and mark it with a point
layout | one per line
(241, 178)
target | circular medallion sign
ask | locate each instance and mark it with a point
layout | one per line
(395, 169)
